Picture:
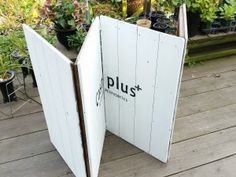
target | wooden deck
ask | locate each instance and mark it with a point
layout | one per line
(204, 142)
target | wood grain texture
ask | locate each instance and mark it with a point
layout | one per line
(116, 148)
(184, 156)
(206, 101)
(29, 108)
(203, 123)
(220, 168)
(208, 83)
(45, 165)
(22, 125)
(24, 146)
(110, 62)
(208, 68)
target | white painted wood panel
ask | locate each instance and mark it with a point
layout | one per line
(170, 59)
(110, 61)
(127, 54)
(55, 83)
(147, 53)
(142, 121)
(91, 86)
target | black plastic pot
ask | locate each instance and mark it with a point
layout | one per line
(194, 21)
(62, 35)
(225, 25)
(7, 88)
(21, 60)
(86, 27)
(33, 77)
(171, 30)
(233, 25)
(205, 27)
(154, 15)
(160, 27)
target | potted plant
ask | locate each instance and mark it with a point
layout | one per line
(6, 77)
(197, 10)
(208, 17)
(76, 41)
(227, 11)
(67, 16)
(18, 51)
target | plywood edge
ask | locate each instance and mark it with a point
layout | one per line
(183, 26)
(76, 80)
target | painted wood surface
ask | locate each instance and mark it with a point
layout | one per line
(110, 70)
(91, 86)
(55, 83)
(145, 82)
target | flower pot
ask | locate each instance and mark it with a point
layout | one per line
(226, 25)
(155, 15)
(205, 27)
(33, 78)
(86, 27)
(62, 36)
(162, 27)
(194, 21)
(21, 60)
(25, 70)
(144, 23)
(7, 88)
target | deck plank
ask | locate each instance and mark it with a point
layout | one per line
(120, 149)
(24, 146)
(44, 165)
(206, 101)
(209, 68)
(29, 108)
(222, 168)
(185, 155)
(22, 125)
(204, 123)
(209, 83)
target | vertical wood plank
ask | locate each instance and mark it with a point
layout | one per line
(110, 72)
(127, 53)
(147, 52)
(170, 58)
(91, 86)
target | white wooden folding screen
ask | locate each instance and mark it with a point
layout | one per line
(126, 79)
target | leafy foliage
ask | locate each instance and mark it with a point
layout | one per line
(206, 8)
(7, 64)
(15, 12)
(75, 41)
(228, 10)
(65, 14)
